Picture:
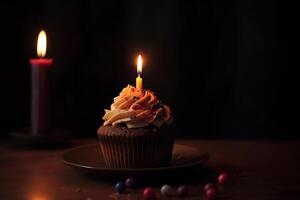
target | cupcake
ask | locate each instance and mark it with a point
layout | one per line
(135, 131)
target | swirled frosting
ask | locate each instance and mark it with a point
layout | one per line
(137, 108)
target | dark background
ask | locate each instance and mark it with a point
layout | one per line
(226, 68)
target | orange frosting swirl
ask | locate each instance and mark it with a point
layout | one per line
(137, 108)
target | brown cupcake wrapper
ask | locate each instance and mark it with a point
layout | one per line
(136, 151)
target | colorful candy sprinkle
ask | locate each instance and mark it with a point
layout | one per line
(130, 183)
(222, 178)
(149, 193)
(166, 190)
(120, 187)
(182, 190)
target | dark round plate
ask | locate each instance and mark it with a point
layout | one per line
(89, 158)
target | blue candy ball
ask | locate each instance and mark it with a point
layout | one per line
(120, 187)
(166, 190)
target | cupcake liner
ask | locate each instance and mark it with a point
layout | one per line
(135, 150)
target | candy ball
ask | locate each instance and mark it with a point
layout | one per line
(182, 190)
(130, 183)
(209, 185)
(120, 187)
(211, 193)
(222, 178)
(166, 190)
(149, 193)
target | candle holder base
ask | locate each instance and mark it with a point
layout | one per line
(24, 137)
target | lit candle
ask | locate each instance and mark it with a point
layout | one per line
(139, 80)
(40, 110)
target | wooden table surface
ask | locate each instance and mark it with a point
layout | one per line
(257, 169)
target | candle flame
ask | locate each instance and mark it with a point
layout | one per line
(139, 65)
(42, 44)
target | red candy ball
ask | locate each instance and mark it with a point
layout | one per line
(149, 193)
(222, 178)
(211, 193)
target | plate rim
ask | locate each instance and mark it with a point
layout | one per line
(203, 159)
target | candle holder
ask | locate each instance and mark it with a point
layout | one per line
(24, 137)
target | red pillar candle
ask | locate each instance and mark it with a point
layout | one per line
(40, 108)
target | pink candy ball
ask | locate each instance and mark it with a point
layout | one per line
(222, 178)
(130, 183)
(211, 193)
